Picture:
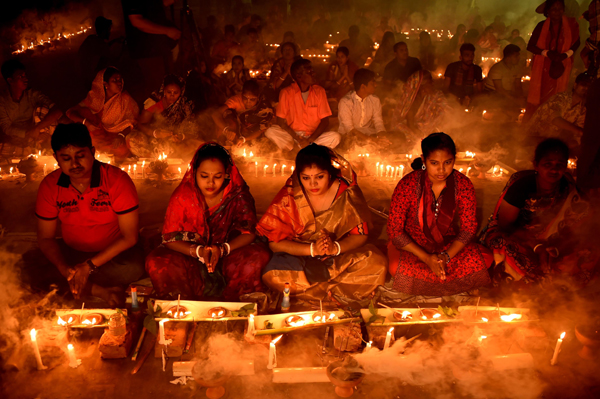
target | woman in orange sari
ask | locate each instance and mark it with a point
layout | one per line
(317, 229)
(553, 43)
(109, 113)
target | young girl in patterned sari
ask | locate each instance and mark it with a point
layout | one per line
(431, 225)
(317, 227)
(208, 236)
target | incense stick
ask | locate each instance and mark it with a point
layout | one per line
(385, 306)
(177, 310)
(321, 307)
(477, 306)
(498, 306)
(139, 344)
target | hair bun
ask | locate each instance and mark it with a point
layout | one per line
(417, 164)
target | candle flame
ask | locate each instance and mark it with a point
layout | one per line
(251, 317)
(70, 347)
(276, 339)
(61, 322)
(251, 154)
(484, 319)
(405, 314)
(483, 337)
(562, 336)
(437, 315)
(331, 316)
(510, 317)
(33, 334)
(391, 329)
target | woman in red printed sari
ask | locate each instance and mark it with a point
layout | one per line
(432, 222)
(553, 43)
(208, 246)
(109, 113)
(539, 227)
(317, 229)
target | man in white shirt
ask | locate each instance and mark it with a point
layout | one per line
(359, 111)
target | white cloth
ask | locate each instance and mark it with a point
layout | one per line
(285, 141)
(362, 115)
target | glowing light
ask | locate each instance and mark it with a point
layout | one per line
(511, 317)
(562, 336)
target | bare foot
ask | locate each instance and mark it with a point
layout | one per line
(111, 295)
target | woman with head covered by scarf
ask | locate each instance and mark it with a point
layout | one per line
(208, 236)
(108, 112)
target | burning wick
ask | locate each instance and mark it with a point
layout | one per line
(511, 317)
(482, 338)
(273, 353)
(557, 349)
(368, 347)
(283, 170)
(251, 330)
(73, 361)
(36, 350)
(274, 169)
(388, 339)
(265, 170)
(484, 319)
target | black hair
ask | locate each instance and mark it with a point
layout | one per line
(431, 143)
(109, 72)
(549, 146)
(237, 57)
(295, 68)
(10, 67)
(251, 86)
(362, 77)
(343, 50)
(250, 31)
(516, 30)
(584, 79)
(102, 24)
(388, 37)
(424, 35)
(397, 45)
(289, 44)
(550, 3)
(213, 151)
(510, 50)
(467, 47)
(318, 155)
(229, 29)
(172, 80)
(75, 134)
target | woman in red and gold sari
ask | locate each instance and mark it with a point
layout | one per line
(208, 246)
(553, 43)
(109, 113)
(431, 225)
(539, 227)
(317, 229)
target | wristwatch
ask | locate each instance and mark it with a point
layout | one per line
(93, 268)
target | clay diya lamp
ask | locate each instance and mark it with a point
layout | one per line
(68, 320)
(214, 386)
(403, 316)
(173, 313)
(589, 336)
(159, 167)
(92, 319)
(430, 314)
(294, 321)
(343, 388)
(323, 317)
(217, 313)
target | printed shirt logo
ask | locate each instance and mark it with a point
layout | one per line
(101, 203)
(67, 206)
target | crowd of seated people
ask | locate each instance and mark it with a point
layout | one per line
(211, 221)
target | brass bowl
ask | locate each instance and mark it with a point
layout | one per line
(294, 321)
(92, 319)
(345, 389)
(173, 314)
(68, 319)
(404, 316)
(430, 314)
(323, 317)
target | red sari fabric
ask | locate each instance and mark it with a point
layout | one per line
(411, 221)
(188, 219)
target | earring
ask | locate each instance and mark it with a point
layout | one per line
(227, 177)
(423, 167)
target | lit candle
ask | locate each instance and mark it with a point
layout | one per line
(273, 353)
(381, 171)
(557, 350)
(251, 331)
(73, 362)
(256, 169)
(274, 169)
(401, 171)
(244, 152)
(129, 170)
(368, 347)
(135, 171)
(283, 170)
(265, 170)
(179, 169)
(292, 170)
(161, 333)
(387, 171)
(388, 339)
(36, 350)
(377, 169)
(143, 172)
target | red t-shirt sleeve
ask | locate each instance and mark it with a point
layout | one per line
(45, 206)
(123, 195)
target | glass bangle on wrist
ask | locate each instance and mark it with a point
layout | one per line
(93, 268)
(339, 248)
(312, 253)
(446, 255)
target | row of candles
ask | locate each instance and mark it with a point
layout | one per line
(274, 170)
(73, 361)
(41, 42)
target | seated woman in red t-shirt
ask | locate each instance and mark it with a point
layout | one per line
(317, 229)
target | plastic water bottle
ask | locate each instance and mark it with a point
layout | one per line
(135, 306)
(285, 303)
